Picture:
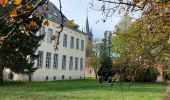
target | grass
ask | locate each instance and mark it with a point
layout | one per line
(87, 89)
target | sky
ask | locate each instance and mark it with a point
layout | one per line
(78, 10)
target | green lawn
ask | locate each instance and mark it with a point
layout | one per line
(86, 89)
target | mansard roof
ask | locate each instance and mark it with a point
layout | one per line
(54, 15)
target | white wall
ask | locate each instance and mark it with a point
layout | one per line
(41, 73)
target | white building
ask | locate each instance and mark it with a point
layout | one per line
(68, 62)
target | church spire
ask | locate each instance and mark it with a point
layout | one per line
(87, 25)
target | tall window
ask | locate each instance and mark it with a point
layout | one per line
(77, 44)
(55, 63)
(71, 63)
(50, 31)
(42, 30)
(48, 60)
(76, 63)
(82, 45)
(65, 40)
(81, 64)
(49, 15)
(40, 59)
(72, 42)
(64, 62)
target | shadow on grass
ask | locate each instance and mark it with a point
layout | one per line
(13, 83)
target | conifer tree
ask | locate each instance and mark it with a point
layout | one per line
(19, 23)
(105, 55)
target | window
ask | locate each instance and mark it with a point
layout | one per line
(50, 31)
(76, 63)
(71, 63)
(55, 63)
(81, 64)
(80, 77)
(77, 44)
(48, 60)
(69, 77)
(62, 77)
(64, 62)
(54, 78)
(49, 15)
(82, 45)
(42, 31)
(40, 59)
(10, 76)
(55, 14)
(72, 42)
(57, 34)
(65, 40)
(46, 78)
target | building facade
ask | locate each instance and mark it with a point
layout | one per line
(68, 62)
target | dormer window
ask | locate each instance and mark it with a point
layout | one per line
(55, 14)
(49, 15)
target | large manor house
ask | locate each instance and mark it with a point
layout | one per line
(68, 62)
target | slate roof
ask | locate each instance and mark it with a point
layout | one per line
(53, 13)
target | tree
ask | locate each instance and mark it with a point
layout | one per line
(19, 22)
(145, 47)
(106, 56)
(93, 59)
(108, 7)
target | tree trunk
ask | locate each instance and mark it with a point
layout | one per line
(96, 76)
(95, 71)
(29, 78)
(1, 76)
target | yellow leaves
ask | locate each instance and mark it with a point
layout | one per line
(169, 41)
(157, 1)
(32, 24)
(165, 28)
(167, 4)
(17, 2)
(28, 7)
(71, 23)
(46, 23)
(3, 2)
(13, 14)
(167, 7)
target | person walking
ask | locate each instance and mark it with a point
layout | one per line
(110, 79)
